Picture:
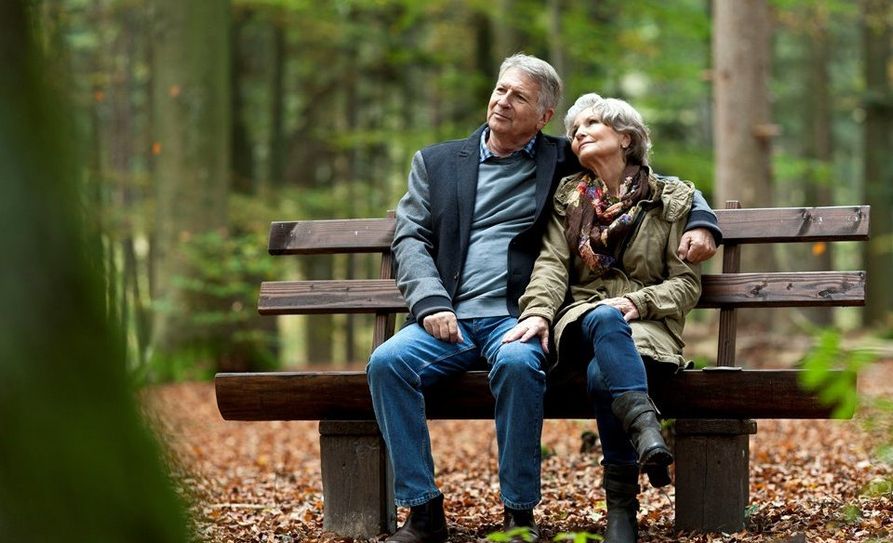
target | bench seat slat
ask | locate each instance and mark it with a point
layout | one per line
(777, 289)
(751, 225)
(345, 396)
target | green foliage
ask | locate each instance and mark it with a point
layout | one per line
(224, 272)
(522, 533)
(702, 361)
(828, 354)
(850, 513)
(577, 537)
(546, 451)
(332, 98)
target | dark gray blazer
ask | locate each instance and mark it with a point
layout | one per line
(434, 221)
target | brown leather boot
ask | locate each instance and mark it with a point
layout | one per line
(426, 523)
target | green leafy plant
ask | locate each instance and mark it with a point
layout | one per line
(220, 280)
(838, 389)
(521, 532)
(546, 451)
(577, 537)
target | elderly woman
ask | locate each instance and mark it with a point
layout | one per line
(610, 281)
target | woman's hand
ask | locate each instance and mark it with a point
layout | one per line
(629, 309)
(528, 328)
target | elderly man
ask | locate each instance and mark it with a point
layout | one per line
(468, 232)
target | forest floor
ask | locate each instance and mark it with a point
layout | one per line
(811, 481)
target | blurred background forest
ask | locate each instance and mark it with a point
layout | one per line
(199, 122)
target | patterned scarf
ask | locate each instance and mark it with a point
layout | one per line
(597, 223)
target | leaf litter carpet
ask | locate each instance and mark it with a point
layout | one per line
(811, 481)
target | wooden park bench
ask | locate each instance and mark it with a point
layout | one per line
(714, 406)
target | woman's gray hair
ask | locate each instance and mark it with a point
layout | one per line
(540, 71)
(619, 115)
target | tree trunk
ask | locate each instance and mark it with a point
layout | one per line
(242, 155)
(878, 166)
(277, 105)
(556, 57)
(742, 129)
(819, 144)
(76, 461)
(506, 40)
(192, 123)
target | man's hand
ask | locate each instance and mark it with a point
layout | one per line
(528, 328)
(625, 305)
(444, 326)
(696, 246)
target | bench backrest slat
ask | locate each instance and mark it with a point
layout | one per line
(331, 236)
(753, 225)
(794, 224)
(778, 289)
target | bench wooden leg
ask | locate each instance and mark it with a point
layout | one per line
(712, 474)
(357, 483)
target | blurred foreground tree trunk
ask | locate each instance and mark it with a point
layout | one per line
(878, 145)
(76, 462)
(191, 114)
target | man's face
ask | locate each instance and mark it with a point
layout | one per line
(513, 111)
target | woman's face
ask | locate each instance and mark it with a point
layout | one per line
(595, 142)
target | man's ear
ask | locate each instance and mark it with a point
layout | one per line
(547, 116)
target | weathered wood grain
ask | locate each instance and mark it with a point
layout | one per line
(715, 394)
(794, 224)
(776, 289)
(331, 236)
(752, 225)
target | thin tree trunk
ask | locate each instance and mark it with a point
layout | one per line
(878, 166)
(192, 125)
(819, 143)
(242, 155)
(277, 106)
(556, 52)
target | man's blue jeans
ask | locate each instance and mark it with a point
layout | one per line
(403, 366)
(615, 367)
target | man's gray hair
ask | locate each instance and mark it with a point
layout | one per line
(540, 71)
(619, 115)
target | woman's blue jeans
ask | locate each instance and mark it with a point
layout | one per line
(615, 367)
(402, 367)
